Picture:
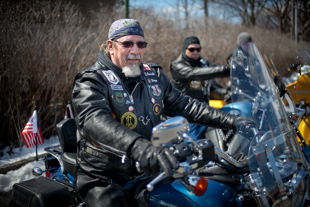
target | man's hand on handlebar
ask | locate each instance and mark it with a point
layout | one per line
(151, 158)
(280, 84)
(244, 125)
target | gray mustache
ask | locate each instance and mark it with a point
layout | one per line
(130, 57)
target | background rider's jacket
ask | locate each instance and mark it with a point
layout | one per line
(191, 77)
(112, 111)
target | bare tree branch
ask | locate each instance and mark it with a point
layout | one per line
(247, 10)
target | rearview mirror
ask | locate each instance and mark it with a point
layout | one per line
(37, 171)
(169, 131)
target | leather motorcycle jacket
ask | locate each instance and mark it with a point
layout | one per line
(191, 77)
(112, 111)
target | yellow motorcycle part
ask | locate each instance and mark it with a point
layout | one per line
(217, 103)
(304, 129)
(300, 90)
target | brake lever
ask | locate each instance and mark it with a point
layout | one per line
(155, 181)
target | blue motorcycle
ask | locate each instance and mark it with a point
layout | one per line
(262, 168)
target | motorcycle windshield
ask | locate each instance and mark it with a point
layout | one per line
(277, 170)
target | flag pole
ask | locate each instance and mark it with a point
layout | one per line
(36, 146)
(35, 135)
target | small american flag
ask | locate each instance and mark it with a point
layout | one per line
(32, 130)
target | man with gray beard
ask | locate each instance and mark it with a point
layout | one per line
(116, 103)
(133, 69)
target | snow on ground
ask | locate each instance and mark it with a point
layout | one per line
(23, 173)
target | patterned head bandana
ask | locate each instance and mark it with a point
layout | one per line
(124, 27)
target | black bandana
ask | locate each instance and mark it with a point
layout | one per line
(188, 41)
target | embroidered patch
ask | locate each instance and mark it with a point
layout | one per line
(156, 90)
(151, 80)
(110, 76)
(156, 109)
(129, 120)
(114, 116)
(119, 98)
(116, 87)
(146, 67)
(195, 84)
(149, 73)
(144, 121)
(153, 100)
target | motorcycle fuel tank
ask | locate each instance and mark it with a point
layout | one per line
(173, 193)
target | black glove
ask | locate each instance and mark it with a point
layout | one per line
(227, 70)
(245, 124)
(280, 84)
(152, 158)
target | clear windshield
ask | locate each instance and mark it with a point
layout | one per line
(273, 153)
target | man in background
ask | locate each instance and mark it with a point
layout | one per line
(191, 73)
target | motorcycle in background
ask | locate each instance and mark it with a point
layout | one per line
(298, 85)
(298, 115)
(254, 94)
(219, 96)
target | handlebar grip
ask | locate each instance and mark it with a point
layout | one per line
(156, 180)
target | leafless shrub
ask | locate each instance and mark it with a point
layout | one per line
(44, 45)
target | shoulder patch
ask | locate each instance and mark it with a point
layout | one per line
(110, 75)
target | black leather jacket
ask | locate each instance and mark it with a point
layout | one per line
(190, 77)
(112, 111)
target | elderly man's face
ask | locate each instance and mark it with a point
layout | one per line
(122, 56)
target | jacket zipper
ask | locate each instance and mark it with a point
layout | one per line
(130, 96)
(116, 152)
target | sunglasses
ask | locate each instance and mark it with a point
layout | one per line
(193, 49)
(129, 44)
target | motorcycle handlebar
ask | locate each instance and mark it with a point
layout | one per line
(222, 154)
(217, 151)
